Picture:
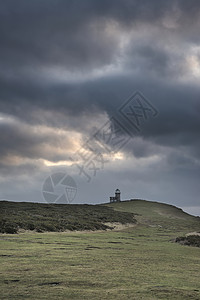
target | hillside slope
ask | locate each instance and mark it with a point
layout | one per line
(158, 214)
(142, 262)
(15, 216)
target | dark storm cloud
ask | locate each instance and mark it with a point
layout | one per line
(177, 124)
(155, 60)
(55, 33)
(74, 33)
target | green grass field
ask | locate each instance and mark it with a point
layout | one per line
(141, 262)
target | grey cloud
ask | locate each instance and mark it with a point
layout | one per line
(176, 124)
(155, 60)
(73, 34)
(21, 141)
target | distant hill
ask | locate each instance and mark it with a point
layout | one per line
(15, 216)
(158, 214)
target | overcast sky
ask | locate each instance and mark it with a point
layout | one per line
(67, 70)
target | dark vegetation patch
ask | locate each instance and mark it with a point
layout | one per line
(11, 281)
(92, 247)
(50, 283)
(72, 283)
(58, 217)
(190, 240)
(114, 242)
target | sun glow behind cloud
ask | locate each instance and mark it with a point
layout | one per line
(56, 164)
(194, 65)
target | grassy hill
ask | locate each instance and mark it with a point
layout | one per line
(159, 215)
(15, 216)
(138, 263)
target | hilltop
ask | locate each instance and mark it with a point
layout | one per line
(158, 214)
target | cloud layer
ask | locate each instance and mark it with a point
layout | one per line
(65, 69)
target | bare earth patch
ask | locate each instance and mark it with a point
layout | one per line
(193, 233)
(116, 227)
(119, 226)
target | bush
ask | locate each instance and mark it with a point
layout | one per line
(9, 229)
(30, 226)
(190, 240)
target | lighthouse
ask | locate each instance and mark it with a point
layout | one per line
(117, 197)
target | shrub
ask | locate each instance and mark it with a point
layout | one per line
(190, 240)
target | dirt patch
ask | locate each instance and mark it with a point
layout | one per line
(193, 233)
(118, 226)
